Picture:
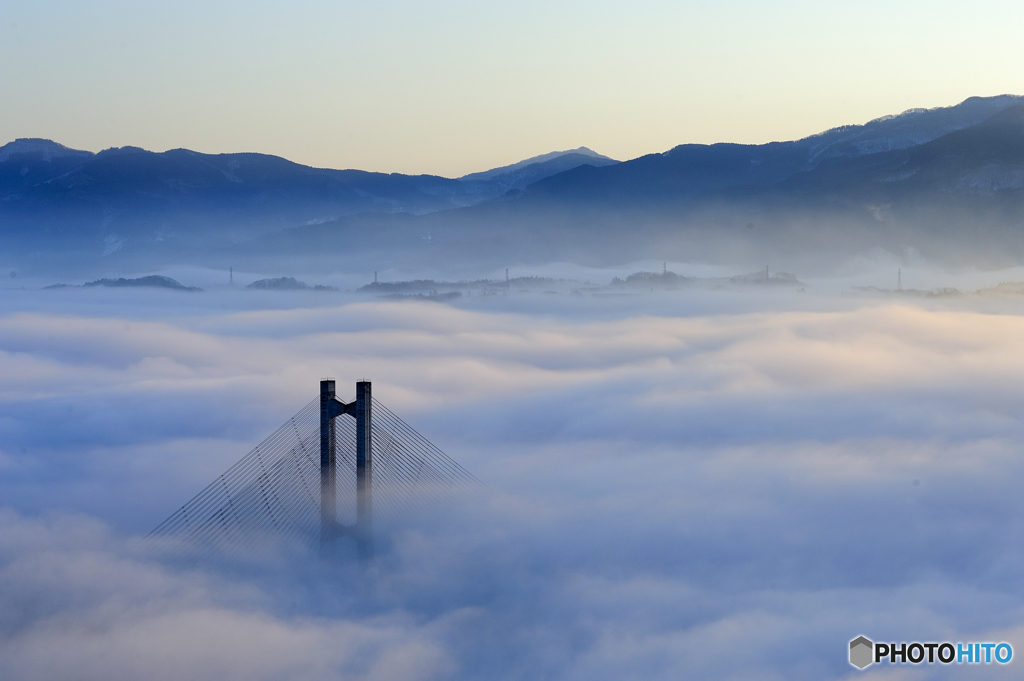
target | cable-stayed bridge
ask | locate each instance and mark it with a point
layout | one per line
(333, 470)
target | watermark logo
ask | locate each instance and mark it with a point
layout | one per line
(863, 652)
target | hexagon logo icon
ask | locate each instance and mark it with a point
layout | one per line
(862, 652)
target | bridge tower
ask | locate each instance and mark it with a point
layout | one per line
(362, 410)
(269, 494)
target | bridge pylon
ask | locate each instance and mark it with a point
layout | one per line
(375, 469)
(362, 411)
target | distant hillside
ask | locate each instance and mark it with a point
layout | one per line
(564, 160)
(287, 284)
(521, 177)
(127, 198)
(691, 169)
(806, 205)
(152, 281)
(947, 182)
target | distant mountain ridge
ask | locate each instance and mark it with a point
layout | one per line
(43, 150)
(27, 164)
(957, 197)
(592, 156)
(128, 195)
(802, 206)
(688, 170)
(947, 181)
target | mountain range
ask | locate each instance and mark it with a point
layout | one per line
(946, 182)
(54, 192)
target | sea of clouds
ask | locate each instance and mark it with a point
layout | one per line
(685, 484)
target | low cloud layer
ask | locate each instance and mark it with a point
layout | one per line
(678, 486)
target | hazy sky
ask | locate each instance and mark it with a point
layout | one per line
(454, 87)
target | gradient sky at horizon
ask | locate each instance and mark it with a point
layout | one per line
(454, 87)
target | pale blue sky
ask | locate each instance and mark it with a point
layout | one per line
(454, 87)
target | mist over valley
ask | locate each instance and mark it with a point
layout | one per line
(730, 406)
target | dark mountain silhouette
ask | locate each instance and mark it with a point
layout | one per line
(804, 205)
(592, 156)
(691, 169)
(979, 160)
(287, 284)
(958, 197)
(152, 281)
(523, 175)
(519, 175)
(947, 182)
(125, 197)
